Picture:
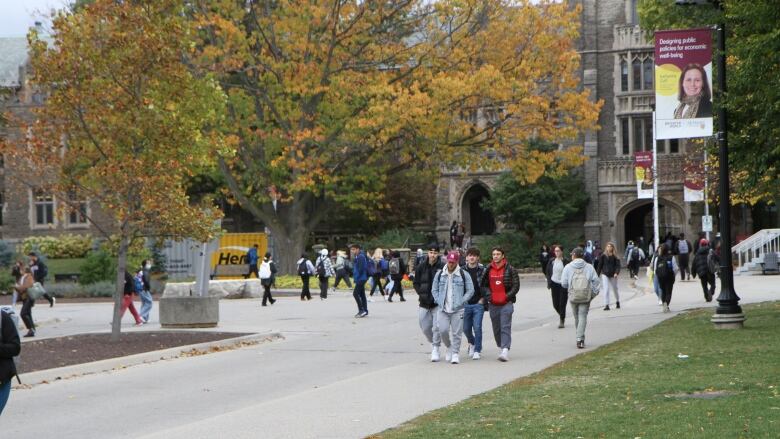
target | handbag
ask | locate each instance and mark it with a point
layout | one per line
(36, 291)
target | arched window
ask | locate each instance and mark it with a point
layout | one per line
(623, 75)
(647, 74)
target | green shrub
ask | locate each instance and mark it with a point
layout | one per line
(100, 289)
(394, 238)
(71, 290)
(7, 254)
(521, 253)
(64, 246)
(6, 281)
(98, 266)
(64, 289)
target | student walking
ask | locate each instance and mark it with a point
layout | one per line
(17, 271)
(266, 274)
(683, 249)
(342, 272)
(360, 276)
(553, 272)
(146, 290)
(427, 312)
(608, 269)
(305, 271)
(500, 284)
(10, 346)
(702, 266)
(452, 288)
(251, 259)
(127, 300)
(665, 269)
(634, 257)
(397, 269)
(375, 272)
(22, 288)
(324, 272)
(583, 284)
(39, 272)
(474, 310)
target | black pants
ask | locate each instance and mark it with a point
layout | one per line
(252, 269)
(26, 313)
(398, 288)
(342, 274)
(305, 293)
(666, 289)
(377, 283)
(323, 287)
(267, 292)
(709, 278)
(682, 261)
(633, 267)
(559, 298)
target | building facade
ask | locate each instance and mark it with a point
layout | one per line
(617, 67)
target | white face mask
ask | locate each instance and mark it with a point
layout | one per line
(148, 266)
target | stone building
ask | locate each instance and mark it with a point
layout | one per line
(617, 67)
(26, 210)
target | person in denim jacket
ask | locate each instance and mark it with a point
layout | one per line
(452, 289)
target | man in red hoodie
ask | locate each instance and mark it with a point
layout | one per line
(500, 284)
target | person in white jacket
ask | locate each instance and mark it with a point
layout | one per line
(325, 271)
(583, 283)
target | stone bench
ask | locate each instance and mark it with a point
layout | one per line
(232, 270)
(227, 288)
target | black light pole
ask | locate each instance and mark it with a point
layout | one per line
(728, 314)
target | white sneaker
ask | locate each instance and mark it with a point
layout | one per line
(471, 350)
(660, 302)
(504, 355)
(448, 355)
(435, 355)
(476, 356)
(455, 359)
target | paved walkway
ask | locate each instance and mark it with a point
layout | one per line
(332, 376)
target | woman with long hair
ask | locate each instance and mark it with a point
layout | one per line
(608, 268)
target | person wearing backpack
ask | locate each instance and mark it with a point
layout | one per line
(452, 288)
(474, 310)
(22, 288)
(682, 250)
(608, 269)
(10, 346)
(324, 272)
(499, 285)
(251, 259)
(360, 276)
(305, 270)
(701, 267)
(424, 274)
(634, 258)
(583, 284)
(375, 272)
(553, 274)
(127, 299)
(266, 274)
(665, 269)
(397, 270)
(39, 272)
(146, 291)
(342, 272)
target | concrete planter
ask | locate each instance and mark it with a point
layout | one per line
(189, 312)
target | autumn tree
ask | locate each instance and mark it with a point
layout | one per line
(753, 98)
(330, 100)
(124, 122)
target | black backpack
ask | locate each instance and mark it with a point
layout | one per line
(664, 268)
(303, 270)
(395, 266)
(321, 268)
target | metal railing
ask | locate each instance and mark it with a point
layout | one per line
(756, 246)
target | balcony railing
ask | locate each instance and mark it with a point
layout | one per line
(631, 37)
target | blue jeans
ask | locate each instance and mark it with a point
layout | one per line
(472, 325)
(656, 287)
(359, 293)
(146, 305)
(5, 392)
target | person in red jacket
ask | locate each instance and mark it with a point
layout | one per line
(500, 284)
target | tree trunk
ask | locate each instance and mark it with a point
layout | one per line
(116, 324)
(288, 248)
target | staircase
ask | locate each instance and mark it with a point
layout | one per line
(750, 252)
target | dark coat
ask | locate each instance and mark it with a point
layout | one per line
(608, 265)
(700, 266)
(423, 282)
(549, 269)
(511, 283)
(10, 346)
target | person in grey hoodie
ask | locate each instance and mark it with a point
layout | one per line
(452, 288)
(583, 284)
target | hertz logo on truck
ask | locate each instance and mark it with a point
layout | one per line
(233, 247)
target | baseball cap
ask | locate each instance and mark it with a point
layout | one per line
(703, 242)
(453, 257)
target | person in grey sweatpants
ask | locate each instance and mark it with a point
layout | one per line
(500, 284)
(591, 285)
(452, 288)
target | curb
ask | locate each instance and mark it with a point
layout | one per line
(61, 373)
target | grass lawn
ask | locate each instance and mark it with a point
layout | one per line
(294, 281)
(729, 387)
(57, 266)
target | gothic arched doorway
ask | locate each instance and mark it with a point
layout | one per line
(478, 220)
(638, 220)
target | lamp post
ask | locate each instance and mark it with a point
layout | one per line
(728, 314)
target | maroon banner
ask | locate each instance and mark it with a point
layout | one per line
(643, 170)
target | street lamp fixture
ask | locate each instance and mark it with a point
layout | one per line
(728, 314)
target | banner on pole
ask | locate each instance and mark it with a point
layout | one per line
(693, 175)
(643, 170)
(683, 83)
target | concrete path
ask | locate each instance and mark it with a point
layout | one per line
(332, 376)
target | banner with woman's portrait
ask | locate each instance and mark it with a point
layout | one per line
(683, 83)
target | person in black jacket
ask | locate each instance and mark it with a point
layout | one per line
(397, 278)
(127, 300)
(559, 294)
(423, 283)
(475, 308)
(500, 284)
(701, 267)
(608, 269)
(10, 346)
(39, 271)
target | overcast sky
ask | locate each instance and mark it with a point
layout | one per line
(16, 16)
